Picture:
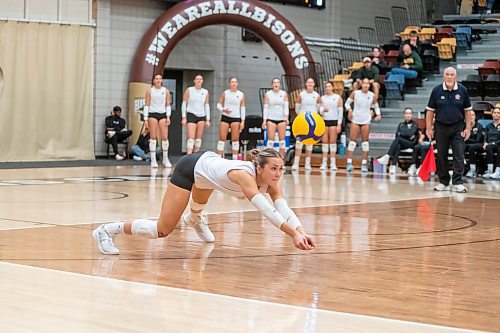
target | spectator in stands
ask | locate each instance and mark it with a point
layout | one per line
(370, 72)
(116, 130)
(141, 149)
(413, 41)
(450, 104)
(411, 65)
(474, 146)
(378, 61)
(407, 135)
(492, 146)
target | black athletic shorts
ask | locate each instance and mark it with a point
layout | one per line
(191, 118)
(183, 175)
(230, 120)
(277, 122)
(158, 116)
(329, 123)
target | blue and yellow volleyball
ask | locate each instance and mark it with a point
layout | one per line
(308, 127)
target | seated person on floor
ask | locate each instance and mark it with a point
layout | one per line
(474, 145)
(411, 65)
(492, 146)
(370, 72)
(116, 130)
(407, 135)
(141, 149)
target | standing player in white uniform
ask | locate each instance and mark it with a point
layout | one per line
(360, 119)
(332, 110)
(157, 113)
(276, 112)
(195, 113)
(197, 176)
(232, 106)
(307, 101)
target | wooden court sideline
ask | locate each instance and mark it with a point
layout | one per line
(387, 248)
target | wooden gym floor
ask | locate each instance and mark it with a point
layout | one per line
(392, 256)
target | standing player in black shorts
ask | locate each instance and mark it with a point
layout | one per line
(195, 113)
(332, 111)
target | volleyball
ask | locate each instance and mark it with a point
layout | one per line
(308, 127)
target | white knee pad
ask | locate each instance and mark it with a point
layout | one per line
(352, 145)
(365, 146)
(235, 145)
(270, 144)
(299, 144)
(164, 145)
(333, 148)
(221, 145)
(190, 144)
(309, 147)
(197, 143)
(282, 144)
(145, 228)
(324, 147)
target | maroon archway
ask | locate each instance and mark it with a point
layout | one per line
(187, 16)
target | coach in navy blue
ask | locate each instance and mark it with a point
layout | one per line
(449, 103)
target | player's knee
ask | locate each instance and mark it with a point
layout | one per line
(282, 144)
(365, 146)
(235, 145)
(197, 143)
(324, 148)
(309, 147)
(190, 143)
(352, 146)
(221, 145)
(299, 145)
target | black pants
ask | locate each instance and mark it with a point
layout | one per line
(450, 136)
(396, 146)
(117, 138)
(419, 153)
(491, 150)
(474, 149)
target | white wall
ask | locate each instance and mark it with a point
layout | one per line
(72, 11)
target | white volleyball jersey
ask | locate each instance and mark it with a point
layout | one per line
(309, 101)
(276, 105)
(158, 100)
(210, 172)
(232, 101)
(196, 101)
(331, 102)
(362, 104)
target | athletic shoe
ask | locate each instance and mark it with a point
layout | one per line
(495, 175)
(154, 164)
(119, 157)
(460, 188)
(488, 174)
(199, 224)
(393, 169)
(308, 166)
(349, 167)
(364, 168)
(471, 174)
(441, 188)
(295, 166)
(384, 159)
(166, 163)
(137, 158)
(412, 170)
(333, 166)
(323, 166)
(104, 240)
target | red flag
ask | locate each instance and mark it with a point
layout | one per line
(428, 165)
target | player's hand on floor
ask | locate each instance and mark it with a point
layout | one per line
(303, 242)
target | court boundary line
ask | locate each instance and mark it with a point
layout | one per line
(228, 297)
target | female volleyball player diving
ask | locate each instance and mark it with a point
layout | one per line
(197, 175)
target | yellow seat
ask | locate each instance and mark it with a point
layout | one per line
(426, 33)
(338, 83)
(406, 33)
(447, 48)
